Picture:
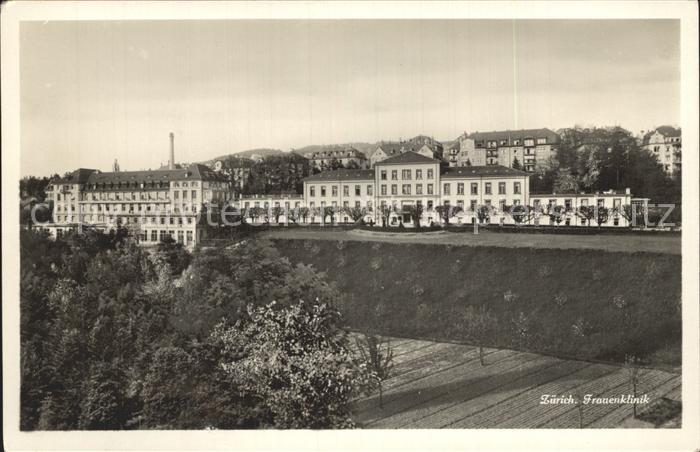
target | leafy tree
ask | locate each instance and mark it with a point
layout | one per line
(277, 213)
(447, 211)
(296, 363)
(586, 213)
(416, 212)
(329, 211)
(304, 213)
(356, 213)
(520, 213)
(602, 214)
(483, 213)
(556, 213)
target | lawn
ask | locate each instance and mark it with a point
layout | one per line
(576, 303)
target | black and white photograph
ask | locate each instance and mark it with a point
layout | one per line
(375, 219)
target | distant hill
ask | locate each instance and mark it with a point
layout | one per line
(263, 152)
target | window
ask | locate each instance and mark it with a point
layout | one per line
(460, 188)
(394, 189)
(357, 190)
(177, 195)
(516, 188)
(394, 174)
(184, 194)
(369, 190)
(189, 237)
(487, 202)
(567, 204)
(472, 205)
(460, 204)
(406, 174)
(535, 204)
(419, 189)
(334, 190)
(446, 189)
(542, 141)
(383, 190)
(529, 142)
(312, 192)
(430, 189)
(584, 202)
(419, 174)
(430, 174)
(323, 190)
(617, 203)
(346, 204)
(357, 204)
(346, 190)
(405, 189)
(487, 188)
(474, 188)
(154, 236)
(180, 237)
(502, 204)
(383, 175)
(430, 205)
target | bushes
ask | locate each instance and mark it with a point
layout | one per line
(579, 303)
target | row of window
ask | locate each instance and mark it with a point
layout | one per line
(496, 143)
(126, 208)
(175, 221)
(407, 174)
(156, 237)
(406, 189)
(474, 188)
(346, 190)
(568, 203)
(346, 204)
(287, 204)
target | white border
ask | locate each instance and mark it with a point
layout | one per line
(687, 438)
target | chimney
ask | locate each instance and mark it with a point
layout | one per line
(171, 162)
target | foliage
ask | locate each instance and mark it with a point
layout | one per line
(296, 363)
(379, 358)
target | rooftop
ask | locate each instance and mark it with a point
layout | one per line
(342, 174)
(511, 135)
(407, 158)
(489, 170)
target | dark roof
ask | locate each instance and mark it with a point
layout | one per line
(666, 131)
(79, 176)
(406, 158)
(510, 135)
(195, 171)
(489, 170)
(342, 174)
(331, 152)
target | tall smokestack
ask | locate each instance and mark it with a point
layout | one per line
(171, 162)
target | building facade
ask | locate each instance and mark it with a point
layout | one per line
(324, 159)
(420, 144)
(154, 204)
(530, 150)
(665, 144)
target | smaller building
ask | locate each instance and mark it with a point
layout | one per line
(528, 149)
(333, 157)
(665, 144)
(569, 209)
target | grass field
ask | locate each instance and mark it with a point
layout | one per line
(616, 243)
(440, 385)
(572, 303)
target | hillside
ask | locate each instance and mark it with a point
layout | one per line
(264, 152)
(587, 304)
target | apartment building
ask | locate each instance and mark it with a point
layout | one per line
(340, 189)
(346, 156)
(530, 150)
(665, 144)
(420, 144)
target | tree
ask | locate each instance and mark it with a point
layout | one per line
(632, 369)
(556, 213)
(329, 211)
(296, 363)
(520, 213)
(379, 359)
(478, 324)
(304, 213)
(447, 211)
(277, 213)
(565, 182)
(356, 213)
(416, 212)
(386, 212)
(586, 213)
(483, 213)
(601, 215)
(516, 164)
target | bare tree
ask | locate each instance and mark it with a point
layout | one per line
(379, 356)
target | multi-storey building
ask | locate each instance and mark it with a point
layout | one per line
(613, 201)
(155, 203)
(420, 144)
(665, 144)
(412, 179)
(346, 156)
(531, 149)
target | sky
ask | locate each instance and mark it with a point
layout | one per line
(93, 91)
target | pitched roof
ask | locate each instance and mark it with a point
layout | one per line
(342, 174)
(478, 171)
(79, 176)
(510, 135)
(193, 172)
(669, 131)
(407, 158)
(331, 152)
